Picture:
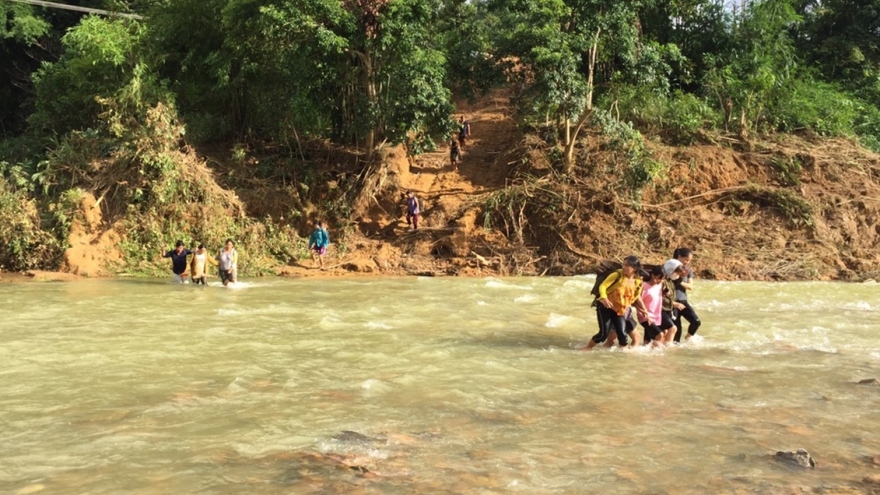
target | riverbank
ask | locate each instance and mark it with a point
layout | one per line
(785, 207)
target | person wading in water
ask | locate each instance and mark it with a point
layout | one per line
(682, 286)
(228, 263)
(199, 264)
(621, 289)
(178, 261)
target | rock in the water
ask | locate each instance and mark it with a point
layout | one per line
(800, 457)
(873, 479)
(869, 381)
(353, 437)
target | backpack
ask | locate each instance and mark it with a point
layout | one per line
(605, 268)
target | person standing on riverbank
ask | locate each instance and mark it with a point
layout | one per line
(682, 286)
(228, 263)
(413, 210)
(199, 264)
(621, 289)
(318, 242)
(178, 261)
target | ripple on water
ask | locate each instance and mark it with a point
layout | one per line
(557, 320)
(377, 325)
(508, 405)
(494, 283)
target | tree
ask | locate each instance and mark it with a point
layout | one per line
(397, 94)
(568, 47)
(21, 29)
(761, 60)
(842, 39)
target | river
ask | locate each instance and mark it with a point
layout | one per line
(423, 385)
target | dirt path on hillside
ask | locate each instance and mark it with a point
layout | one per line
(450, 201)
(484, 167)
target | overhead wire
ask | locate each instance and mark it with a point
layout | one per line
(87, 10)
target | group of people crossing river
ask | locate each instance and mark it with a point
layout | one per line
(656, 299)
(193, 264)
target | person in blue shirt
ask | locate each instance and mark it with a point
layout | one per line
(178, 261)
(318, 243)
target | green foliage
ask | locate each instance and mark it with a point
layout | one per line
(640, 168)
(789, 170)
(26, 244)
(789, 204)
(745, 79)
(21, 23)
(101, 57)
(840, 38)
(810, 104)
(678, 117)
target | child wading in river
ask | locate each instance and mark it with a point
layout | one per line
(682, 286)
(620, 290)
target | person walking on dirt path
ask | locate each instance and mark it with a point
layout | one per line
(318, 242)
(454, 154)
(199, 265)
(178, 261)
(682, 286)
(228, 263)
(413, 210)
(464, 131)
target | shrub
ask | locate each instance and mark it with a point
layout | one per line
(677, 118)
(26, 244)
(814, 105)
(639, 166)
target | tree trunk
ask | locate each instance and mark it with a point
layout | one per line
(372, 98)
(571, 139)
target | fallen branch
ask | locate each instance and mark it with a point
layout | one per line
(708, 193)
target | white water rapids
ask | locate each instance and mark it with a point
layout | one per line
(451, 385)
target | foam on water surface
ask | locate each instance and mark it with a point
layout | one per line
(459, 385)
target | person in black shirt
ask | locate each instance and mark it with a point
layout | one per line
(682, 286)
(178, 261)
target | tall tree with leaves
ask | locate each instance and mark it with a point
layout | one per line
(760, 61)
(569, 47)
(386, 71)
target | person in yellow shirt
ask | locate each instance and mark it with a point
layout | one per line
(621, 289)
(199, 264)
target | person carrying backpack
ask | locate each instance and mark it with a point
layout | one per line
(618, 291)
(318, 242)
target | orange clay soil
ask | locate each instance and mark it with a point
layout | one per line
(792, 208)
(799, 207)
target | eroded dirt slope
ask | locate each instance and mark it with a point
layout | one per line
(798, 207)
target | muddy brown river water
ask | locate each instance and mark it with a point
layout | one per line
(421, 385)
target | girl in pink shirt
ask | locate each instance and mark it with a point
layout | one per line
(652, 297)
